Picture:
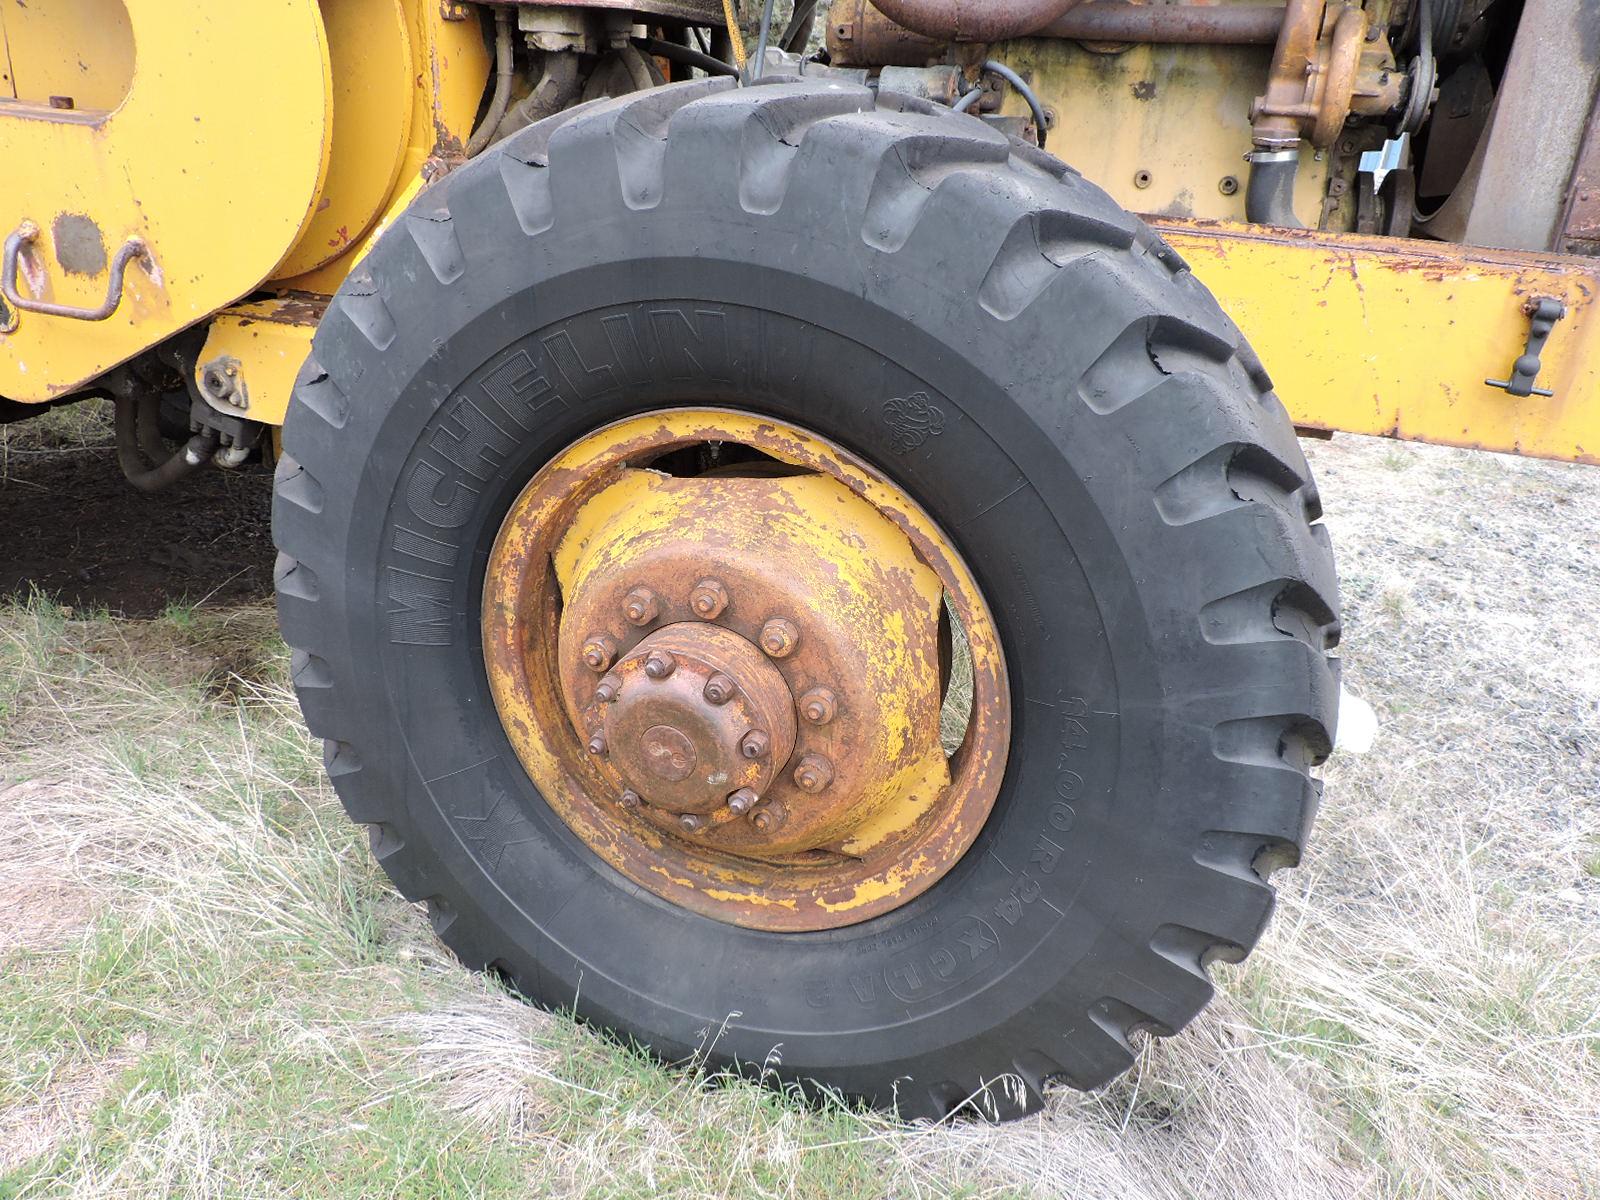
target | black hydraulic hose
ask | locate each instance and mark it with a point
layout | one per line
(135, 419)
(1023, 90)
(673, 52)
(504, 72)
(798, 30)
(1269, 196)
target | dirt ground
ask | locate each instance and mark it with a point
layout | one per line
(75, 531)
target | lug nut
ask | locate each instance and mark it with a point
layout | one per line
(608, 689)
(641, 606)
(597, 744)
(755, 743)
(767, 818)
(779, 637)
(659, 665)
(600, 651)
(708, 598)
(630, 799)
(819, 706)
(813, 774)
(720, 689)
(742, 801)
(690, 822)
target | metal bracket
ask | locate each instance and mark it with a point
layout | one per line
(133, 248)
(1543, 314)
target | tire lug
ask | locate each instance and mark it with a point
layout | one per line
(755, 743)
(630, 799)
(742, 801)
(608, 689)
(597, 744)
(814, 773)
(720, 689)
(708, 599)
(641, 606)
(659, 665)
(767, 818)
(779, 637)
(690, 823)
(819, 706)
(599, 652)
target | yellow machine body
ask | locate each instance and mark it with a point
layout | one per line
(257, 154)
(242, 144)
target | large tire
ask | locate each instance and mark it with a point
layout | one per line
(1111, 461)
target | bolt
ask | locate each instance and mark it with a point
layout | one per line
(767, 818)
(641, 606)
(742, 801)
(630, 799)
(597, 744)
(1228, 185)
(720, 689)
(608, 689)
(755, 744)
(600, 651)
(659, 665)
(708, 599)
(779, 637)
(819, 706)
(813, 774)
(690, 822)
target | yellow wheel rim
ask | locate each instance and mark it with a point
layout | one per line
(721, 649)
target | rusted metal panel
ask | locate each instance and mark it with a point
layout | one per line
(1580, 232)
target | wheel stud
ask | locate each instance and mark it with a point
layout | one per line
(767, 818)
(813, 774)
(690, 822)
(742, 801)
(659, 665)
(597, 744)
(708, 599)
(630, 799)
(720, 689)
(608, 689)
(641, 606)
(599, 652)
(819, 706)
(755, 743)
(779, 637)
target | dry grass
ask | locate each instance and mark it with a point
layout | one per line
(215, 994)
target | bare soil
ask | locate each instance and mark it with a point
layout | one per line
(73, 529)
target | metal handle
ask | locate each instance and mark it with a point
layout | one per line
(133, 248)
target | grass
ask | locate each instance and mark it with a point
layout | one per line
(207, 989)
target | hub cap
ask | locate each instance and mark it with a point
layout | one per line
(721, 648)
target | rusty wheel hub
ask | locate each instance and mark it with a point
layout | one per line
(729, 681)
(697, 724)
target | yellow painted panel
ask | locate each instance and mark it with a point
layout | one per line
(269, 341)
(1395, 337)
(215, 159)
(1174, 119)
(373, 86)
(78, 50)
(450, 65)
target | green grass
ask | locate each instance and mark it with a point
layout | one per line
(208, 989)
